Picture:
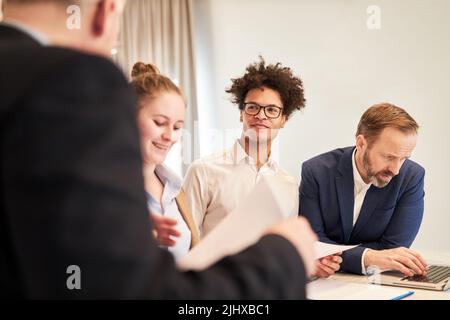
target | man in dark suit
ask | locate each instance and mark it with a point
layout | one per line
(370, 195)
(73, 216)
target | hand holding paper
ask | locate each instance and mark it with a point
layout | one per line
(326, 249)
(328, 259)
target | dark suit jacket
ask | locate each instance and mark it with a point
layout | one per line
(390, 217)
(72, 193)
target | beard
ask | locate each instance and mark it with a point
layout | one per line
(374, 176)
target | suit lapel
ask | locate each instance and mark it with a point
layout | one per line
(187, 216)
(344, 187)
(367, 209)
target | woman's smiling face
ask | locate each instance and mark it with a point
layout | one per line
(160, 122)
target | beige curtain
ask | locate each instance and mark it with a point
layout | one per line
(161, 32)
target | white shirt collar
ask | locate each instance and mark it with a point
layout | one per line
(358, 180)
(238, 154)
(168, 176)
(36, 35)
(172, 184)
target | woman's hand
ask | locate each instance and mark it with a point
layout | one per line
(328, 265)
(163, 230)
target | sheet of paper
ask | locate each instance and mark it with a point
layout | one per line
(328, 289)
(270, 201)
(325, 249)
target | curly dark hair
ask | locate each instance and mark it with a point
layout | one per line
(272, 76)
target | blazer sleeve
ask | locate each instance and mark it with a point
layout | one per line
(310, 208)
(309, 205)
(407, 216)
(73, 184)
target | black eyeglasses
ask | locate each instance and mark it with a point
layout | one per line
(271, 111)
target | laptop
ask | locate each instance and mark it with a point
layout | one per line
(437, 278)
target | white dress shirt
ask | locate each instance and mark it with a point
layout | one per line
(359, 191)
(217, 184)
(169, 208)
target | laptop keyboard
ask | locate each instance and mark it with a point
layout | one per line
(435, 274)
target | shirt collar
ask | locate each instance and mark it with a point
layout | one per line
(358, 180)
(172, 185)
(167, 176)
(238, 152)
(239, 155)
(36, 35)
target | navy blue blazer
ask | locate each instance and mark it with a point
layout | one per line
(390, 217)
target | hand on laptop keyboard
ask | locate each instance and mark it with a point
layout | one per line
(407, 261)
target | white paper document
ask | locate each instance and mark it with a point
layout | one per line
(271, 200)
(328, 289)
(325, 249)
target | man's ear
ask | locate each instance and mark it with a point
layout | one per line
(283, 120)
(361, 142)
(241, 119)
(99, 23)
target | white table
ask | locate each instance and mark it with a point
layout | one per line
(419, 294)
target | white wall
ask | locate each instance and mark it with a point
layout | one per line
(345, 68)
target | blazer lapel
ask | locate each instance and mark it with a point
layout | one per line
(187, 216)
(344, 187)
(367, 209)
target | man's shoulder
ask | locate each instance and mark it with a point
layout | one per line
(71, 63)
(328, 160)
(89, 73)
(21, 62)
(285, 175)
(28, 71)
(220, 162)
(221, 157)
(412, 170)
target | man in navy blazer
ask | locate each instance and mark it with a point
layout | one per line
(370, 195)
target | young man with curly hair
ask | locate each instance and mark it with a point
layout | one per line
(266, 95)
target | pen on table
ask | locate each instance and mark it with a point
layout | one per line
(407, 294)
